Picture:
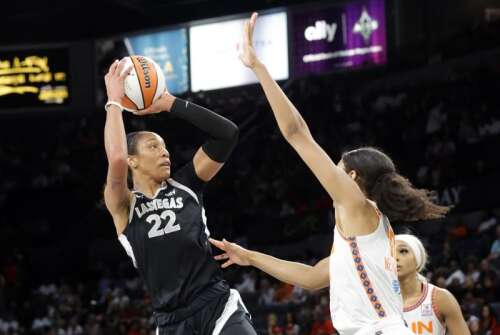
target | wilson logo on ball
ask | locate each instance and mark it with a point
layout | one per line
(144, 84)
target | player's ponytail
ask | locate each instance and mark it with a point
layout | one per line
(394, 194)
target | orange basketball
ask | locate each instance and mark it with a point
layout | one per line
(144, 84)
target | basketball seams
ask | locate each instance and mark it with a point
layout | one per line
(135, 62)
(129, 103)
(142, 88)
(154, 81)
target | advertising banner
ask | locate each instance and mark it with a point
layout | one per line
(343, 36)
(214, 50)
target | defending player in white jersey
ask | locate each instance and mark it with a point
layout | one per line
(428, 310)
(367, 192)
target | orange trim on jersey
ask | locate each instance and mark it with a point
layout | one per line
(363, 277)
(420, 300)
(435, 307)
(342, 235)
(392, 239)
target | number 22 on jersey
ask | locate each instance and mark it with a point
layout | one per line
(157, 220)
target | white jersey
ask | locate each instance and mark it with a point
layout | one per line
(423, 316)
(364, 286)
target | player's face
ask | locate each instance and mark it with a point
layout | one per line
(153, 158)
(407, 265)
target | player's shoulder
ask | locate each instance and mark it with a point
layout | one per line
(444, 300)
(441, 293)
(186, 177)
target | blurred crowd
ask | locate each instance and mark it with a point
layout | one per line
(115, 302)
(441, 131)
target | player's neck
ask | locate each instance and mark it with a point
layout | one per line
(148, 187)
(411, 286)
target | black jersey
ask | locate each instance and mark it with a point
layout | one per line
(167, 240)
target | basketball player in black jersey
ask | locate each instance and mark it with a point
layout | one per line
(161, 223)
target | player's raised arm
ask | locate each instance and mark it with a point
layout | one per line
(116, 192)
(308, 277)
(337, 183)
(223, 133)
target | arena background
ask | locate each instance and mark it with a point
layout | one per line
(431, 99)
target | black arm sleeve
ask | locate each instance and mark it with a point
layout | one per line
(223, 132)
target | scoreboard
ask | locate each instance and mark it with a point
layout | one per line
(31, 78)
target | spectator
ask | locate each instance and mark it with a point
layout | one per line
(267, 295)
(488, 323)
(272, 325)
(298, 296)
(474, 325)
(457, 277)
(487, 223)
(291, 327)
(495, 247)
(284, 293)
(321, 325)
(472, 270)
(248, 283)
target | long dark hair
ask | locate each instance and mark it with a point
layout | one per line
(394, 194)
(133, 139)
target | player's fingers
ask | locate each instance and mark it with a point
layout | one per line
(144, 111)
(217, 243)
(246, 30)
(126, 72)
(112, 67)
(221, 257)
(228, 263)
(251, 26)
(121, 67)
(229, 246)
(253, 19)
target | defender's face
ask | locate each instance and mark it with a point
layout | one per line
(407, 264)
(153, 158)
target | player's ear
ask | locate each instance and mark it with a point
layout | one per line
(132, 162)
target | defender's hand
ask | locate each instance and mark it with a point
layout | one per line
(248, 55)
(234, 254)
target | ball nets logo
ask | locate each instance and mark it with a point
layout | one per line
(365, 25)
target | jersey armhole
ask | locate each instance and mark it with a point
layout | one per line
(435, 306)
(126, 215)
(366, 237)
(133, 200)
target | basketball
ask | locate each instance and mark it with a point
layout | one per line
(144, 84)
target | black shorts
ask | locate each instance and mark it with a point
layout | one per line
(224, 316)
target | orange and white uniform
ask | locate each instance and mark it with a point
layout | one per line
(365, 296)
(423, 317)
